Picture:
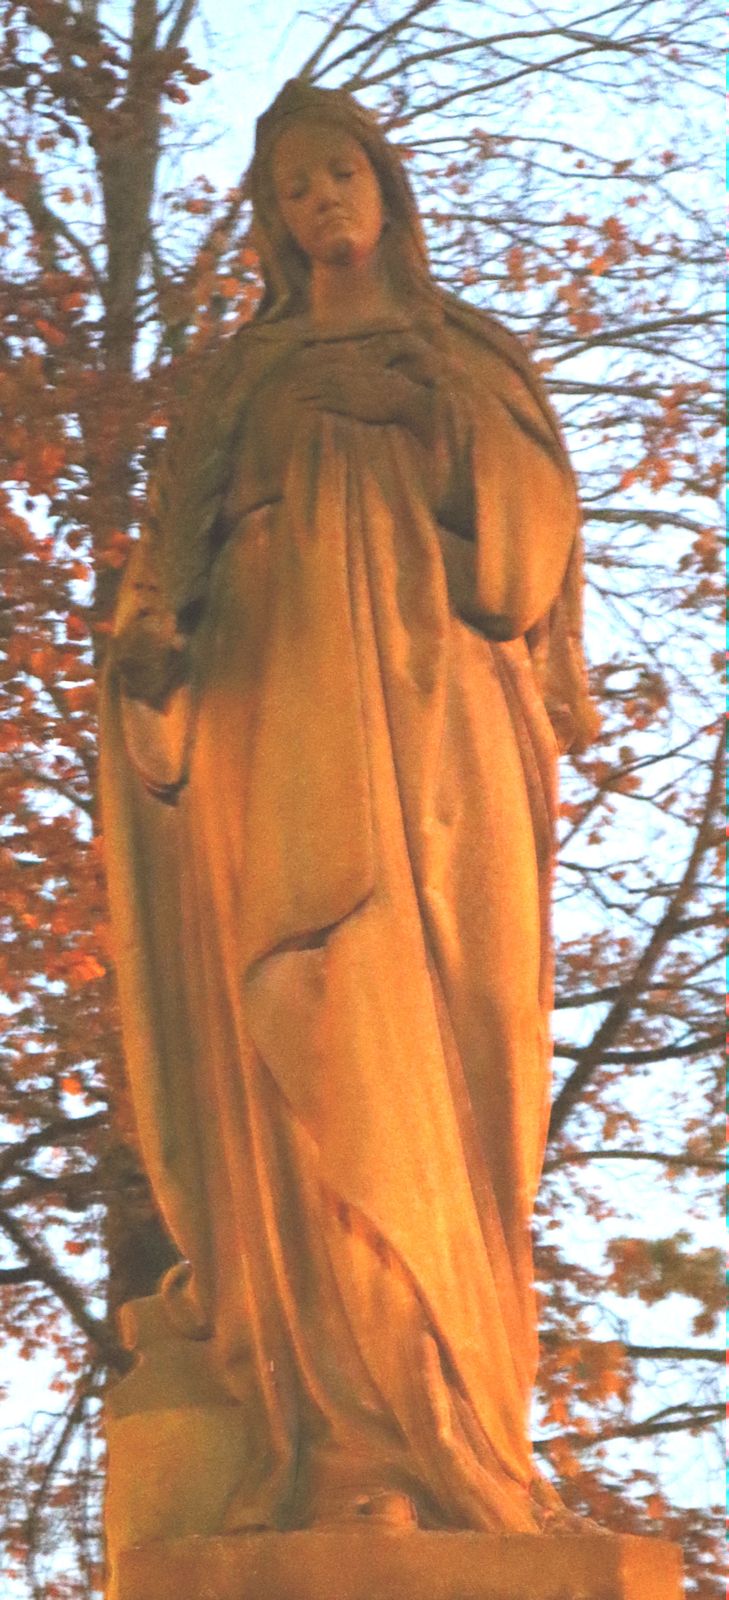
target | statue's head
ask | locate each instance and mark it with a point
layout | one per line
(372, 205)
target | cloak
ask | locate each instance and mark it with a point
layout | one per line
(329, 865)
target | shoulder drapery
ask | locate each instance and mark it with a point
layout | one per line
(522, 458)
(520, 462)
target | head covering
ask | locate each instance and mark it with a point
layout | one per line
(285, 269)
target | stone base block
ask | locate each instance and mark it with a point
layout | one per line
(382, 1564)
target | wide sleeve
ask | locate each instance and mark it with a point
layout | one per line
(508, 514)
(508, 505)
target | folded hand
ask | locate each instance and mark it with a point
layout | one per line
(372, 390)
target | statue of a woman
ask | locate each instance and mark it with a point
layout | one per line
(329, 794)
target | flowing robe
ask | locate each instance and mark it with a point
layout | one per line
(329, 864)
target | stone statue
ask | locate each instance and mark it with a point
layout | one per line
(346, 652)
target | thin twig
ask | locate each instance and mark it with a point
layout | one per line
(621, 1009)
(668, 1158)
(49, 1273)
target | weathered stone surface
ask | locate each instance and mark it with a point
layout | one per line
(375, 1564)
(328, 784)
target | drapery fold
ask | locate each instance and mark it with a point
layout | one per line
(334, 964)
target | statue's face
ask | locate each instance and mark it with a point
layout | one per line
(327, 192)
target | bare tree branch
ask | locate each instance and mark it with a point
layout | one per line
(494, 42)
(309, 67)
(622, 1007)
(44, 220)
(639, 1058)
(640, 514)
(44, 780)
(651, 1427)
(640, 1352)
(66, 1130)
(11, 1276)
(668, 1158)
(376, 40)
(181, 22)
(48, 1272)
(632, 334)
(71, 1421)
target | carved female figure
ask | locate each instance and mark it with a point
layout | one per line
(329, 792)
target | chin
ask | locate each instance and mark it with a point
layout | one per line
(340, 253)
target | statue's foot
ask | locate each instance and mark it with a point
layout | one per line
(242, 1516)
(385, 1508)
(240, 1522)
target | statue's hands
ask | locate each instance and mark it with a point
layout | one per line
(409, 354)
(151, 657)
(371, 390)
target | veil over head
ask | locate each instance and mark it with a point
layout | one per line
(285, 270)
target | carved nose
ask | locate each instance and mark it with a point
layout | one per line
(327, 198)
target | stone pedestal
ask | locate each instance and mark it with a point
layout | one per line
(177, 1443)
(378, 1564)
